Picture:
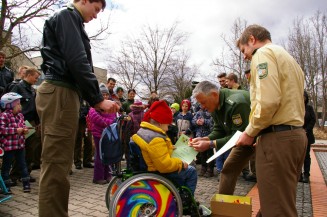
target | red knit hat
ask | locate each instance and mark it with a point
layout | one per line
(187, 102)
(160, 112)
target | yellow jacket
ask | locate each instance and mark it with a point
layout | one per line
(156, 149)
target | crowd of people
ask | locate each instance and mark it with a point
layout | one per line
(271, 114)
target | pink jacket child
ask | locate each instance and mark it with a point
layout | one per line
(12, 130)
(99, 121)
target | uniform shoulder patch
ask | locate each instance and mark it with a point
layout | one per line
(262, 69)
(230, 102)
(237, 119)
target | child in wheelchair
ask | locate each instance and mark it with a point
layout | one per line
(157, 148)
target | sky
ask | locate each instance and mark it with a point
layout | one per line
(204, 20)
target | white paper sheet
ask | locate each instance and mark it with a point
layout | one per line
(230, 144)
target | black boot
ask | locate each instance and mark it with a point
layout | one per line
(305, 178)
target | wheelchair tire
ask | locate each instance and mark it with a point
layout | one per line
(146, 194)
(112, 188)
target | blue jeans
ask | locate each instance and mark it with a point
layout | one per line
(8, 158)
(188, 178)
(221, 160)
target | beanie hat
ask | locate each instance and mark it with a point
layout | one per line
(137, 103)
(175, 106)
(187, 102)
(103, 88)
(160, 112)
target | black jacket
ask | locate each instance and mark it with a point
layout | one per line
(6, 77)
(27, 101)
(83, 111)
(309, 123)
(66, 53)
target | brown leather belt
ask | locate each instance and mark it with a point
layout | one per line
(278, 128)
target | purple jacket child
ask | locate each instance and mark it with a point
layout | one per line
(136, 115)
(99, 121)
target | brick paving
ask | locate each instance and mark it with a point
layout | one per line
(322, 160)
(87, 199)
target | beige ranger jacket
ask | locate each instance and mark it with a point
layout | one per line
(276, 90)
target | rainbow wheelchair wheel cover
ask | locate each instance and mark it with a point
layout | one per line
(146, 195)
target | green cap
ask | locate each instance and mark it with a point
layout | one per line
(119, 89)
(175, 106)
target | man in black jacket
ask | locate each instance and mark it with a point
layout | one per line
(6, 75)
(83, 139)
(68, 70)
(32, 143)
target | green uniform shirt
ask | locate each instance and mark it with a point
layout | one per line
(232, 115)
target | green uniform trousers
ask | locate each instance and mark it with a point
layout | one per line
(58, 109)
(238, 158)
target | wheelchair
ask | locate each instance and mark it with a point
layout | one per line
(4, 196)
(136, 192)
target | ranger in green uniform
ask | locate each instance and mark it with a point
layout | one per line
(230, 110)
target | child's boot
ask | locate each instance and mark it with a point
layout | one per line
(26, 186)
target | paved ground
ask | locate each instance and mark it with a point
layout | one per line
(87, 199)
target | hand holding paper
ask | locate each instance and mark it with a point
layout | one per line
(230, 144)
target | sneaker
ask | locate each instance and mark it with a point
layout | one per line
(26, 187)
(78, 167)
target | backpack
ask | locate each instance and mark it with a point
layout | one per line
(110, 145)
